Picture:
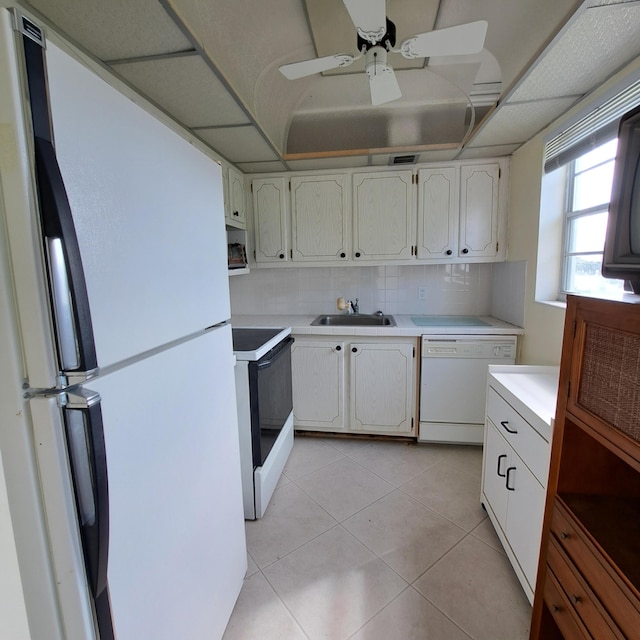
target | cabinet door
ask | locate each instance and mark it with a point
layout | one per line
(270, 197)
(320, 218)
(438, 213)
(525, 511)
(497, 458)
(318, 384)
(382, 383)
(237, 210)
(479, 189)
(383, 216)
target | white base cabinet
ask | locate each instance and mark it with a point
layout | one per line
(347, 385)
(520, 406)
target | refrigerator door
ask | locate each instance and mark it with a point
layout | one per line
(148, 213)
(177, 553)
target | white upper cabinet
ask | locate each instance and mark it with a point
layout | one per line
(236, 211)
(320, 218)
(383, 216)
(270, 206)
(438, 202)
(479, 211)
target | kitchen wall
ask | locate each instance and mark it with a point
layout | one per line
(448, 289)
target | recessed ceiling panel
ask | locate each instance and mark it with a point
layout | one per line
(596, 44)
(116, 29)
(187, 88)
(238, 144)
(517, 123)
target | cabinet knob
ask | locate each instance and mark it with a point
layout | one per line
(281, 256)
(555, 608)
(576, 599)
(465, 250)
(235, 213)
(564, 535)
(449, 252)
(354, 349)
(343, 255)
(357, 254)
(338, 348)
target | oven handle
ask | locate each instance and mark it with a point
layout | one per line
(277, 352)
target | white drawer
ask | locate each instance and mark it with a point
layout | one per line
(525, 440)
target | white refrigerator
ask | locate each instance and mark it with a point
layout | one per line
(118, 436)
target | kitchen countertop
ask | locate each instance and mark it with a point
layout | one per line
(301, 324)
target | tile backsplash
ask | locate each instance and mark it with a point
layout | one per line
(465, 289)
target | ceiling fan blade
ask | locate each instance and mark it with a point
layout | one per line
(369, 18)
(297, 70)
(383, 85)
(465, 39)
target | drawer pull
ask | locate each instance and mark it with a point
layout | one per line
(506, 482)
(564, 535)
(504, 424)
(502, 475)
(576, 599)
(555, 608)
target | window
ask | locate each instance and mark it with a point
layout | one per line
(588, 191)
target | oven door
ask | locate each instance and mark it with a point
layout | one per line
(270, 398)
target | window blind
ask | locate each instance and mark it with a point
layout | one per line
(596, 128)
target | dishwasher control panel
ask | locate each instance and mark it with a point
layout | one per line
(433, 347)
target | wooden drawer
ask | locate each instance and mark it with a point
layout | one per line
(614, 595)
(584, 602)
(524, 439)
(560, 608)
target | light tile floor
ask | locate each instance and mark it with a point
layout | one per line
(376, 540)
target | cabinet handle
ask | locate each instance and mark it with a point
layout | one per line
(504, 424)
(564, 535)
(338, 348)
(576, 599)
(504, 455)
(465, 250)
(555, 608)
(357, 254)
(506, 482)
(235, 213)
(281, 256)
(343, 255)
(353, 349)
(449, 252)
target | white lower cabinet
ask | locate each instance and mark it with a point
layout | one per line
(520, 405)
(344, 385)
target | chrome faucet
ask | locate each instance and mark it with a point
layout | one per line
(353, 307)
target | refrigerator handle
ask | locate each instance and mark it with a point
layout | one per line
(70, 301)
(87, 453)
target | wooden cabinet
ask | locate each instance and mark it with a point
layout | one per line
(382, 387)
(235, 201)
(462, 213)
(318, 384)
(589, 574)
(342, 384)
(520, 405)
(271, 209)
(320, 218)
(383, 216)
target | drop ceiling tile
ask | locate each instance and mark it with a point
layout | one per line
(343, 162)
(187, 88)
(238, 144)
(116, 29)
(472, 153)
(261, 167)
(517, 123)
(596, 44)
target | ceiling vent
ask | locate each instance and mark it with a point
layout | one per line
(410, 159)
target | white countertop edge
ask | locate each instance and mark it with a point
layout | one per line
(301, 325)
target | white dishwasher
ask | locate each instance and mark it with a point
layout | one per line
(453, 384)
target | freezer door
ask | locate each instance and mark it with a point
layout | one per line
(177, 554)
(148, 213)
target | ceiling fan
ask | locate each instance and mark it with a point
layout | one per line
(377, 37)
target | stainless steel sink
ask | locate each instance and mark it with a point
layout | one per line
(355, 320)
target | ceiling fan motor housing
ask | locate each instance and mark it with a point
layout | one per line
(389, 36)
